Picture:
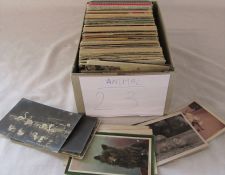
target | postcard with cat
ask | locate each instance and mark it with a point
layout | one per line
(115, 154)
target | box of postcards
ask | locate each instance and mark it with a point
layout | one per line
(123, 64)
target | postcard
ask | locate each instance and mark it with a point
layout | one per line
(133, 129)
(38, 125)
(126, 129)
(207, 124)
(175, 137)
(120, 38)
(115, 154)
(80, 139)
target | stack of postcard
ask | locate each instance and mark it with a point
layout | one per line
(48, 128)
(184, 132)
(117, 150)
(120, 36)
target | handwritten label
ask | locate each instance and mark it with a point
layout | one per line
(110, 96)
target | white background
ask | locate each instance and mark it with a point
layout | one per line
(37, 41)
(110, 96)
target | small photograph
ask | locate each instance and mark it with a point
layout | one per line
(175, 137)
(115, 155)
(207, 125)
(26, 128)
(38, 125)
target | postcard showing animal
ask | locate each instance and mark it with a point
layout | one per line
(175, 137)
(208, 125)
(113, 154)
(38, 125)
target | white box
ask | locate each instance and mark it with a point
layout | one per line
(127, 94)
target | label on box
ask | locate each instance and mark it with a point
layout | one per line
(111, 96)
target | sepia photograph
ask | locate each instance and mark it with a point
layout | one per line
(200, 118)
(175, 137)
(115, 155)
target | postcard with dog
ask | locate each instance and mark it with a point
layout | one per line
(115, 154)
(175, 137)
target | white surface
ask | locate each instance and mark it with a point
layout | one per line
(37, 41)
(111, 96)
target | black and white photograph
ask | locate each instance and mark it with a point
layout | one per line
(38, 125)
(175, 137)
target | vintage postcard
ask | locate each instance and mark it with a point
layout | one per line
(81, 137)
(115, 154)
(120, 38)
(175, 137)
(126, 129)
(38, 125)
(208, 125)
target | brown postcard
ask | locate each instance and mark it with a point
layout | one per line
(207, 124)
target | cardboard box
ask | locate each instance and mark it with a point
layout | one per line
(127, 94)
